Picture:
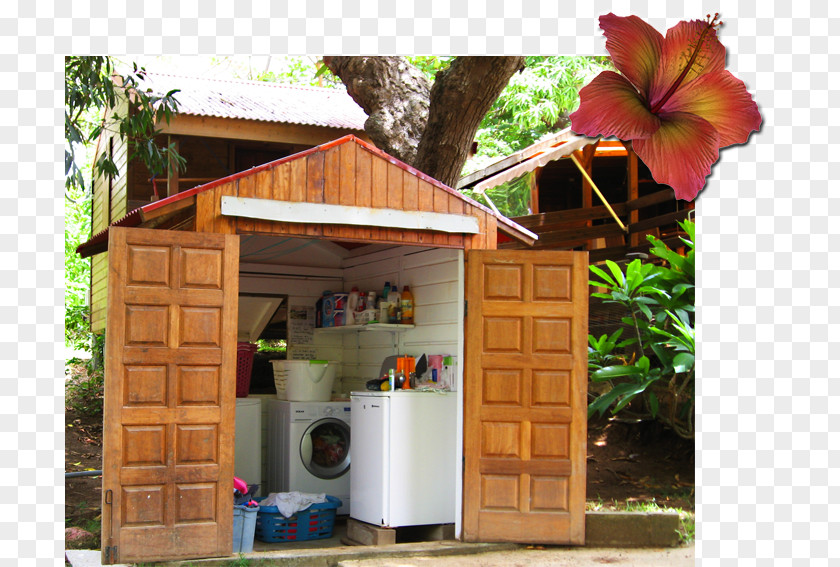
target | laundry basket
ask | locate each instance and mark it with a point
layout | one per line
(304, 380)
(316, 522)
(244, 364)
(280, 376)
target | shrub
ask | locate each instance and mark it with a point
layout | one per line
(657, 363)
(84, 392)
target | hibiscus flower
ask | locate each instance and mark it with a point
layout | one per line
(673, 99)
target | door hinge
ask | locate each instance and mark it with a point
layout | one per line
(111, 554)
(465, 308)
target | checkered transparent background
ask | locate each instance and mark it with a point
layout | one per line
(767, 252)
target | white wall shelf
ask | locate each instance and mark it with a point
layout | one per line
(370, 327)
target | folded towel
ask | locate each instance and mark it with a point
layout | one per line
(290, 503)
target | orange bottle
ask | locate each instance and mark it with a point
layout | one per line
(407, 369)
(407, 306)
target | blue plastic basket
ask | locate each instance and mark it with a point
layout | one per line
(316, 522)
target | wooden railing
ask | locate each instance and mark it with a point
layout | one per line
(575, 229)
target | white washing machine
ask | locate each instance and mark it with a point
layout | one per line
(309, 448)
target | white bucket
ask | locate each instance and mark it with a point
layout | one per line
(307, 380)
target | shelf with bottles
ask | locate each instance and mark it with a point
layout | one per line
(367, 327)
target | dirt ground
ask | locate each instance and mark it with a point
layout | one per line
(626, 461)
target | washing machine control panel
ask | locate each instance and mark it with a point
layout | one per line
(336, 411)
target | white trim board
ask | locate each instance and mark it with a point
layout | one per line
(321, 213)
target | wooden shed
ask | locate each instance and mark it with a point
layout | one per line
(338, 215)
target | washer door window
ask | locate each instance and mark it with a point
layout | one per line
(325, 448)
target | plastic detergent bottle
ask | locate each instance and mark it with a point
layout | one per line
(352, 307)
(407, 307)
(393, 305)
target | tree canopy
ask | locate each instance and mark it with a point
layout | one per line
(93, 104)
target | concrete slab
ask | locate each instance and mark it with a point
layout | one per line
(632, 529)
(86, 558)
(622, 538)
(551, 556)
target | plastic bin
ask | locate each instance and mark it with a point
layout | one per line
(304, 380)
(316, 522)
(280, 375)
(244, 524)
(244, 364)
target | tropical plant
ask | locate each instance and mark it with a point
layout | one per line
(656, 365)
(76, 271)
(91, 85)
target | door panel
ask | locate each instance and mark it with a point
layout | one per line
(525, 396)
(169, 395)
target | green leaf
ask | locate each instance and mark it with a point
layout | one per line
(683, 362)
(654, 404)
(601, 404)
(610, 372)
(604, 276)
(616, 271)
(645, 309)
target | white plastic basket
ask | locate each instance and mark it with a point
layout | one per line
(280, 376)
(304, 380)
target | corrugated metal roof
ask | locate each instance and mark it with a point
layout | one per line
(257, 100)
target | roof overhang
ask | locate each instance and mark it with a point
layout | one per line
(528, 159)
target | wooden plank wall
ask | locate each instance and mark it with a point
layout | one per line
(98, 291)
(346, 174)
(120, 184)
(105, 209)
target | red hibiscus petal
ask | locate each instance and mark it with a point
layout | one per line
(723, 100)
(611, 106)
(635, 47)
(681, 153)
(679, 46)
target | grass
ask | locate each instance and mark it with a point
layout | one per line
(686, 531)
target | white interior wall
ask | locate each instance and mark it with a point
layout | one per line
(435, 277)
(432, 277)
(302, 289)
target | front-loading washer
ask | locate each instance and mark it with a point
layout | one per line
(309, 448)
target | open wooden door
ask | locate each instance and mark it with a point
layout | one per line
(170, 372)
(525, 396)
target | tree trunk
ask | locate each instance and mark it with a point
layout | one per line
(461, 96)
(428, 127)
(395, 96)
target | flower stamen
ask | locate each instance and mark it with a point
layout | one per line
(711, 23)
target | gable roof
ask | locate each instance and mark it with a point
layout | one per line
(178, 202)
(258, 100)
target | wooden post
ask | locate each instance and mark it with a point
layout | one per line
(632, 189)
(585, 157)
(172, 181)
(534, 183)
